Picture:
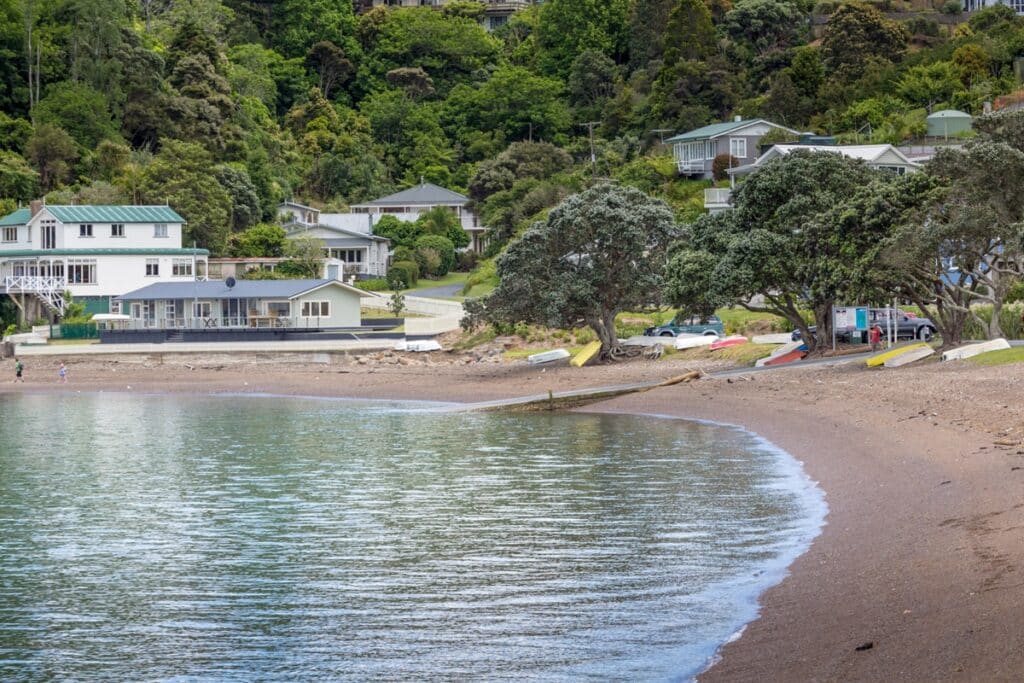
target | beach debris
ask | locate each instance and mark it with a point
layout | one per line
(943, 483)
(865, 646)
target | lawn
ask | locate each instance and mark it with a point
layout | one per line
(1004, 357)
(449, 279)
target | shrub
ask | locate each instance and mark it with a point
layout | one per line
(429, 260)
(1016, 292)
(952, 7)
(11, 329)
(403, 274)
(445, 251)
(466, 261)
(374, 285)
(404, 254)
(721, 165)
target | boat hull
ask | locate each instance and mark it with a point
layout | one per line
(783, 358)
(972, 350)
(586, 354)
(727, 342)
(695, 342)
(879, 359)
(548, 357)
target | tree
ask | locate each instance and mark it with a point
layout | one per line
(442, 221)
(401, 233)
(305, 258)
(926, 86)
(17, 179)
(296, 24)
(598, 253)
(245, 203)
(258, 241)
(435, 255)
(763, 27)
(776, 244)
(416, 82)
(52, 152)
(329, 63)
(592, 81)
(182, 175)
(570, 27)
(79, 110)
(646, 30)
(856, 34)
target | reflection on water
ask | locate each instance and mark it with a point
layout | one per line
(230, 538)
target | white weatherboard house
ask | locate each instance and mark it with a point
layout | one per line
(350, 247)
(879, 157)
(95, 252)
(245, 304)
(696, 150)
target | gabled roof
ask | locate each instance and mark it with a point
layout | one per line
(243, 289)
(424, 194)
(719, 129)
(866, 153)
(948, 114)
(297, 206)
(114, 214)
(19, 217)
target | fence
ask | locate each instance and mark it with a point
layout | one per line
(74, 331)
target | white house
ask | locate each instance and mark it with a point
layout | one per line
(244, 304)
(95, 252)
(879, 157)
(350, 246)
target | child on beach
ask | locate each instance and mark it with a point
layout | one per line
(19, 368)
(62, 374)
(876, 337)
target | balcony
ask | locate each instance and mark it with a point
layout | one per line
(690, 166)
(717, 199)
(49, 289)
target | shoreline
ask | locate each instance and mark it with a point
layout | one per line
(923, 473)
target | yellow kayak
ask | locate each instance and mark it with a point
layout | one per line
(586, 354)
(880, 358)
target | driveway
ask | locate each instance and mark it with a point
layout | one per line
(442, 292)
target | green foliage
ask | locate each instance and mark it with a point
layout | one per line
(80, 110)
(570, 27)
(857, 34)
(373, 285)
(403, 275)
(396, 303)
(435, 255)
(442, 221)
(258, 241)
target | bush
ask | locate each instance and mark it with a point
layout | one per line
(1016, 292)
(403, 275)
(721, 165)
(262, 274)
(375, 285)
(11, 329)
(466, 261)
(952, 7)
(404, 254)
(445, 252)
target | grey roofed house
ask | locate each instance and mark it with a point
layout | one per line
(424, 194)
(695, 150)
(243, 289)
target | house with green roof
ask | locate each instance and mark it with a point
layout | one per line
(97, 253)
(696, 150)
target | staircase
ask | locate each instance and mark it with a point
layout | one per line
(175, 337)
(49, 290)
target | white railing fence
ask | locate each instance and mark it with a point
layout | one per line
(49, 289)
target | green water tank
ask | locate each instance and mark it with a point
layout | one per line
(948, 123)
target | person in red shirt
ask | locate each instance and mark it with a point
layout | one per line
(876, 337)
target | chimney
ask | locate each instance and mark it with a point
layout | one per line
(36, 206)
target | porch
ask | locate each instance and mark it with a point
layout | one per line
(223, 314)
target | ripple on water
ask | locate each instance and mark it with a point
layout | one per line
(193, 538)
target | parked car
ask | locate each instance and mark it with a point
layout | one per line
(908, 326)
(708, 326)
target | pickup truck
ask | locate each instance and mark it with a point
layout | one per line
(908, 326)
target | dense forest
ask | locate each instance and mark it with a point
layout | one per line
(223, 108)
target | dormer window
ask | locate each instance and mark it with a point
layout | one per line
(85, 230)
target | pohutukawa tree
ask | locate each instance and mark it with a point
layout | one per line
(599, 253)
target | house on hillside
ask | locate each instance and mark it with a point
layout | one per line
(879, 157)
(244, 305)
(696, 150)
(350, 247)
(409, 204)
(496, 12)
(95, 252)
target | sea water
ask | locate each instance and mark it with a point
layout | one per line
(240, 538)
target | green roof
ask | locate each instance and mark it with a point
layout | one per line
(102, 252)
(114, 214)
(19, 217)
(716, 129)
(949, 114)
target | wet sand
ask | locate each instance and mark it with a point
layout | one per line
(923, 469)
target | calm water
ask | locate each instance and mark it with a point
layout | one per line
(172, 538)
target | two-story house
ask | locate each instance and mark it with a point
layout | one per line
(96, 253)
(696, 150)
(350, 247)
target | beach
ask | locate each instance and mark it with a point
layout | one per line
(915, 575)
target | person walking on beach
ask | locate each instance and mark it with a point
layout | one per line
(62, 374)
(876, 337)
(19, 368)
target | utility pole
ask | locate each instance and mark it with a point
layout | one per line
(593, 155)
(661, 133)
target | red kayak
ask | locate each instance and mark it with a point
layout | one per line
(787, 358)
(727, 342)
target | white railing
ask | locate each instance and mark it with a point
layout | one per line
(49, 289)
(717, 197)
(690, 166)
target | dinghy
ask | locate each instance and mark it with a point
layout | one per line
(880, 358)
(972, 350)
(694, 341)
(547, 357)
(788, 347)
(735, 340)
(419, 345)
(781, 338)
(586, 354)
(783, 358)
(909, 357)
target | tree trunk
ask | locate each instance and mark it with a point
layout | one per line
(604, 327)
(995, 328)
(823, 328)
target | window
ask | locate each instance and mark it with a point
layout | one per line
(279, 309)
(115, 307)
(316, 309)
(181, 267)
(152, 267)
(738, 148)
(85, 230)
(117, 230)
(159, 230)
(82, 271)
(347, 255)
(10, 234)
(201, 309)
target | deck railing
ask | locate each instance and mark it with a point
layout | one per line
(49, 289)
(256, 322)
(717, 197)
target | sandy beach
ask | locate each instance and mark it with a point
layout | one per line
(916, 575)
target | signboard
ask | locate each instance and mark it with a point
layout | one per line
(851, 318)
